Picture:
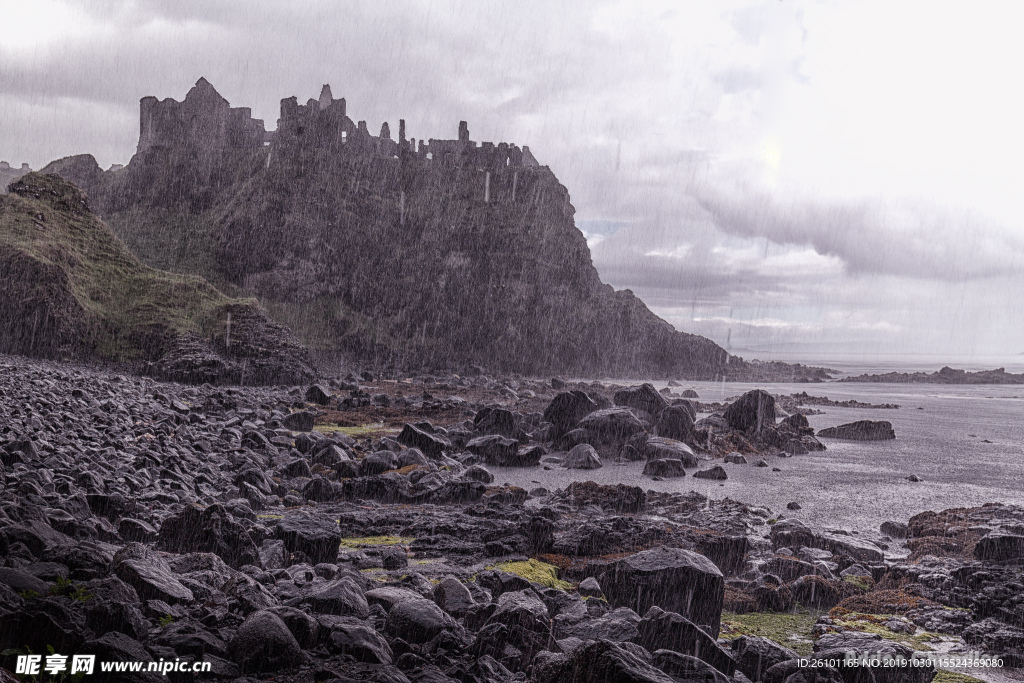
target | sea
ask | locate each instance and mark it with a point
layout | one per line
(965, 443)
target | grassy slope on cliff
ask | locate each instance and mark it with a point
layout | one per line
(72, 288)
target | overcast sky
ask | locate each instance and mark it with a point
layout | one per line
(776, 175)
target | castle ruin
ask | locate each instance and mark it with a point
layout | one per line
(207, 120)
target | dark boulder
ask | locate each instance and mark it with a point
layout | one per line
(582, 457)
(661, 630)
(494, 449)
(319, 394)
(672, 578)
(755, 655)
(264, 643)
(149, 574)
(664, 468)
(342, 597)
(862, 430)
(753, 410)
(716, 472)
(675, 422)
(567, 409)
(644, 397)
(612, 425)
(418, 621)
(604, 661)
(495, 421)
(213, 530)
(686, 668)
(659, 448)
(348, 636)
(301, 421)
(432, 445)
(315, 535)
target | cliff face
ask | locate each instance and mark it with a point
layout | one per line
(72, 290)
(442, 253)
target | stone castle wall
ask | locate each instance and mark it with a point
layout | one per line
(204, 118)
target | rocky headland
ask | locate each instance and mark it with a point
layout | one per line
(387, 251)
(352, 531)
(946, 375)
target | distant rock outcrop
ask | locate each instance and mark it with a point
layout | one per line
(862, 430)
(946, 375)
(397, 252)
(72, 290)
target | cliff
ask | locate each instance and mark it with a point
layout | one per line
(437, 253)
(73, 291)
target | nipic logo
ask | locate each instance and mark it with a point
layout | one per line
(55, 664)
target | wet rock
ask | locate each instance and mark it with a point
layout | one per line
(300, 421)
(478, 473)
(188, 637)
(728, 552)
(819, 592)
(303, 627)
(589, 587)
(315, 535)
(122, 617)
(378, 463)
(582, 457)
(117, 647)
(452, 596)
(264, 643)
(21, 581)
(674, 579)
(792, 533)
(432, 445)
(645, 398)
(494, 421)
(149, 574)
(716, 472)
(389, 596)
(795, 447)
(793, 505)
(835, 645)
(755, 655)
(754, 410)
(602, 661)
(418, 621)
(213, 530)
(736, 459)
(348, 636)
(862, 430)
(319, 394)
(567, 409)
(1000, 545)
(664, 468)
(612, 425)
(342, 597)
(686, 668)
(618, 497)
(661, 448)
(661, 630)
(618, 625)
(676, 422)
(494, 449)
(895, 529)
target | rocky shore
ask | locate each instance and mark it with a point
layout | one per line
(351, 531)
